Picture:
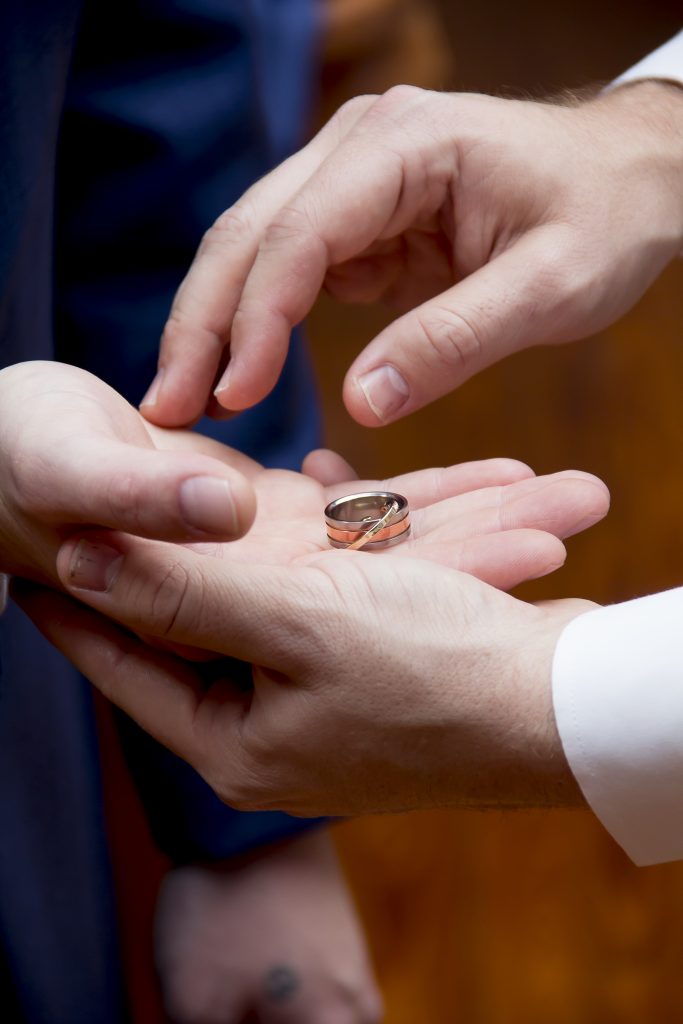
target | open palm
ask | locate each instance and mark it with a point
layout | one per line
(494, 518)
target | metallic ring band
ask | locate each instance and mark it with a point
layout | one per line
(376, 519)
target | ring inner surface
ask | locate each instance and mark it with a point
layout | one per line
(358, 510)
(350, 518)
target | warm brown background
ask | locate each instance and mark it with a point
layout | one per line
(503, 918)
(535, 917)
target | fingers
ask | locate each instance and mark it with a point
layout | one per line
(370, 186)
(249, 612)
(506, 535)
(567, 606)
(170, 495)
(425, 487)
(328, 468)
(198, 334)
(512, 302)
(503, 560)
(429, 486)
(192, 441)
(560, 504)
(422, 487)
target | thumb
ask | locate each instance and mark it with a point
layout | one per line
(245, 611)
(169, 495)
(512, 302)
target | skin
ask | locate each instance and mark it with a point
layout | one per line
(273, 937)
(82, 454)
(379, 683)
(492, 225)
(73, 451)
(332, 724)
(489, 224)
(84, 457)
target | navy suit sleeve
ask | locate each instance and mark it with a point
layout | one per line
(187, 819)
(178, 108)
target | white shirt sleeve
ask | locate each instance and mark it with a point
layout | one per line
(618, 698)
(618, 681)
(666, 62)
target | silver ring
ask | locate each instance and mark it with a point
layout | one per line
(376, 519)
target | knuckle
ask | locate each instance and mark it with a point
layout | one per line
(400, 95)
(292, 225)
(555, 270)
(231, 230)
(560, 280)
(243, 781)
(176, 324)
(451, 338)
(171, 602)
(124, 501)
(349, 112)
(244, 794)
(396, 101)
(206, 332)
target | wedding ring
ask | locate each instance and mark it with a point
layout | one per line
(376, 519)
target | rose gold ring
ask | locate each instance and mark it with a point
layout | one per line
(376, 519)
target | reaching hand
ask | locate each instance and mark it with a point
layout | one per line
(491, 224)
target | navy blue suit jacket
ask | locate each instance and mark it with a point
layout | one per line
(125, 129)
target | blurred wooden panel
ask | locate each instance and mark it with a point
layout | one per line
(532, 917)
(540, 47)
(373, 44)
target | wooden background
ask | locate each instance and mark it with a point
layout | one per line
(524, 918)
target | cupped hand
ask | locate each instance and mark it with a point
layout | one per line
(504, 534)
(491, 224)
(492, 518)
(74, 452)
(273, 937)
(380, 681)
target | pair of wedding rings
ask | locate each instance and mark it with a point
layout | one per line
(372, 519)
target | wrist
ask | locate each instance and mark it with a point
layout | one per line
(645, 123)
(510, 753)
(548, 778)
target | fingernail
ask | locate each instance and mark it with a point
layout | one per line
(223, 384)
(94, 566)
(207, 505)
(385, 391)
(153, 390)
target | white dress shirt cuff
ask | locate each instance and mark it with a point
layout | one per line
(618, 698)
(666, 62)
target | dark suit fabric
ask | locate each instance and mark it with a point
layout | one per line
(125, 128)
